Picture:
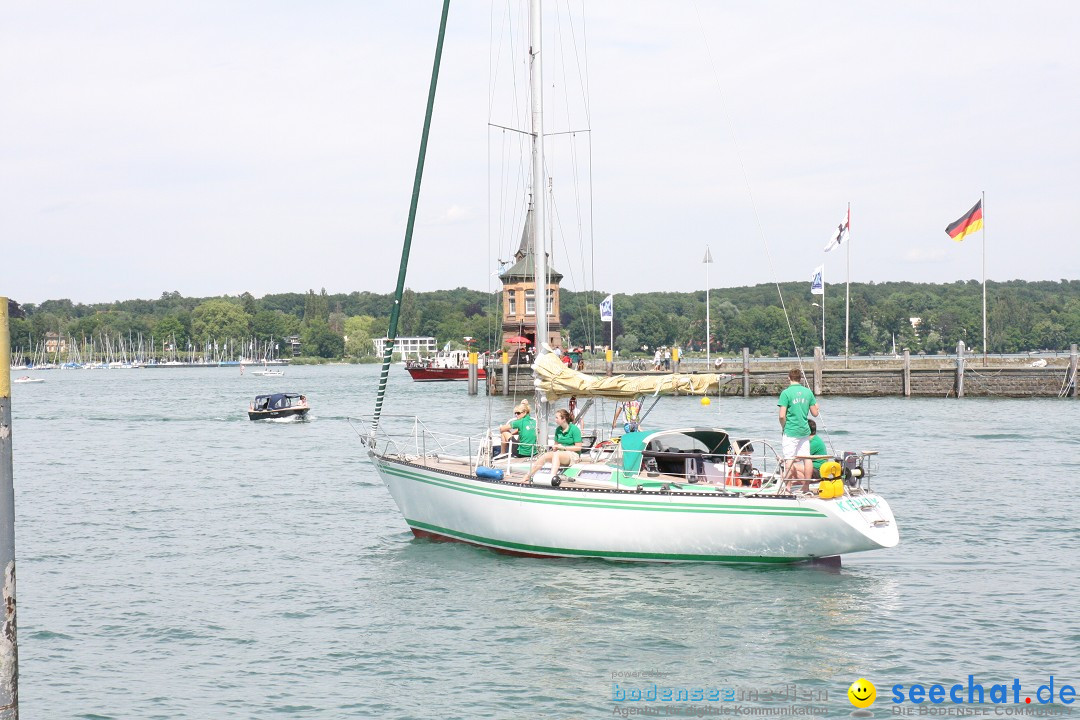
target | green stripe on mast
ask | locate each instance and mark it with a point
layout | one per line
(391, 333)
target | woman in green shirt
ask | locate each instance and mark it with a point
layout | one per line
(817, 447)
(524, 427)
(567, 447)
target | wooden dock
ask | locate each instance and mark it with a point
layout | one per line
(959, 375)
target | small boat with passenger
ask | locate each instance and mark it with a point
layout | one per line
(278, 406)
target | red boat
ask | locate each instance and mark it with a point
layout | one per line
(446, 365)
(421, 373)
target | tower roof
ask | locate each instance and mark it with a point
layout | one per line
(524, 267)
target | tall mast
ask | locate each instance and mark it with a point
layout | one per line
(536, 201)
(847, 296)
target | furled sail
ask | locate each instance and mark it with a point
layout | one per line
(556, 380)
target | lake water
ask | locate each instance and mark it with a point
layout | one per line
(178, 561)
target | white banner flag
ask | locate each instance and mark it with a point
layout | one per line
(840, 235)
(817, 285)
(607, 311)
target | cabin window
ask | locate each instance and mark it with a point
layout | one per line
(511, 303)
(530, 302)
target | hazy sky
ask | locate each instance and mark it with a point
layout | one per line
(221, 147)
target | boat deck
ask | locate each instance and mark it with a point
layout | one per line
(515, 474)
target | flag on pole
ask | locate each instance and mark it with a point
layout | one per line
(708, 256)
(817, 284)
(972, 221)
(606, 309)
(840, 235)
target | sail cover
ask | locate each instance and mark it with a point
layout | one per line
(556, 380)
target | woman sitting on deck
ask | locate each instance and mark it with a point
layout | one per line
(523, 426)
(567, 447)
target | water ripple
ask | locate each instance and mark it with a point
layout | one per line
(194, 564)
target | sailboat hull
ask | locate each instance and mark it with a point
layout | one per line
(542, 521)
(441, 374)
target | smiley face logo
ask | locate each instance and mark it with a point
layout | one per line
(862, 693)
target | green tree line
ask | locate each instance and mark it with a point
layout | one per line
(1021, 316)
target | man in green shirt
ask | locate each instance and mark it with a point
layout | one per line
(796, 404)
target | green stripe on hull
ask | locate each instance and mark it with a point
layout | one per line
(606, 503)
(613, 555)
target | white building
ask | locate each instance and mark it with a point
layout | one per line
(407, 347)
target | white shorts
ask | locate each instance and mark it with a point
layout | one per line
(796, 446)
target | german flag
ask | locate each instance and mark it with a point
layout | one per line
(969, 223)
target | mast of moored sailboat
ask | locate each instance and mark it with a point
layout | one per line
(536, 89)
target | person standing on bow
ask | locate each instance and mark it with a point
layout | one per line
(524, 427)
(796, 404)
(567, 447)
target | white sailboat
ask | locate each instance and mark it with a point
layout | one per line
(680, 494)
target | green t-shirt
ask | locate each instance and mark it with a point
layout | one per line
(526, 432)
(797, 399)
(572, 436)
(817, 447)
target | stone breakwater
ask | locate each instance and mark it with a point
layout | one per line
(907, 376)
(904, 376)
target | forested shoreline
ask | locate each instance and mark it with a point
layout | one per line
(1021, 316)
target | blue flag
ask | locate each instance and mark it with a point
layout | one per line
(817, 285)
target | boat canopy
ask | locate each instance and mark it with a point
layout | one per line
(277, 401)
(556, 381)
(672, 445)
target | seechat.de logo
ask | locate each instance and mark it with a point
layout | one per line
(862, 693)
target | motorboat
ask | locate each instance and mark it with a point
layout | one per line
(278, 406)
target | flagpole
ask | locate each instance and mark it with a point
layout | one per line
(612, 328)
(708, 324)
(984, 272)
(847, 297)
(823, 311)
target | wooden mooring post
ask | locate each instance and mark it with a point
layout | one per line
(1071, 390)
(9, 646)
(960, 369)
(505, 373)
(473, 372)
(819, 361)
(746, 372)
(907, 373)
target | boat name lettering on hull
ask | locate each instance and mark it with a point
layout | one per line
(848, 504)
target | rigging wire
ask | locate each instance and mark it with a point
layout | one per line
(568, 36)
(746, 180)
(492, 307)
(588, 321)
(750, 193)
